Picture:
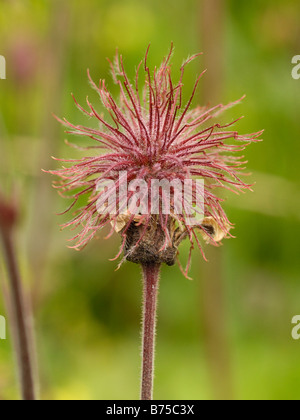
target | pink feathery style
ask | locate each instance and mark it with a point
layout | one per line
(151, 134)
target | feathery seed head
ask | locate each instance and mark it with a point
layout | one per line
(153, 137)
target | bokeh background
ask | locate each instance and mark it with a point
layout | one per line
(227, 333)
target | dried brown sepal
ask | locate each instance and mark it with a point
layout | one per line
(212, 232)
(150, 249)
(150, 246)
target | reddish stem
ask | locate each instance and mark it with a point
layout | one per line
(151, 282)
(19, 318)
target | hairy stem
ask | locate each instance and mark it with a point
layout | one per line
(20, 318)
(150, 284)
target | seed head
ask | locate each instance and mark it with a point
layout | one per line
(153, 135)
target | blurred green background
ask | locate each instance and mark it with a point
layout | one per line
(227, 333)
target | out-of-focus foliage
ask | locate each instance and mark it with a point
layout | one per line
(87, 315)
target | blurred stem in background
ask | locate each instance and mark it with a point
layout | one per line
(211, 23)
(54, 58)
(17, 304)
